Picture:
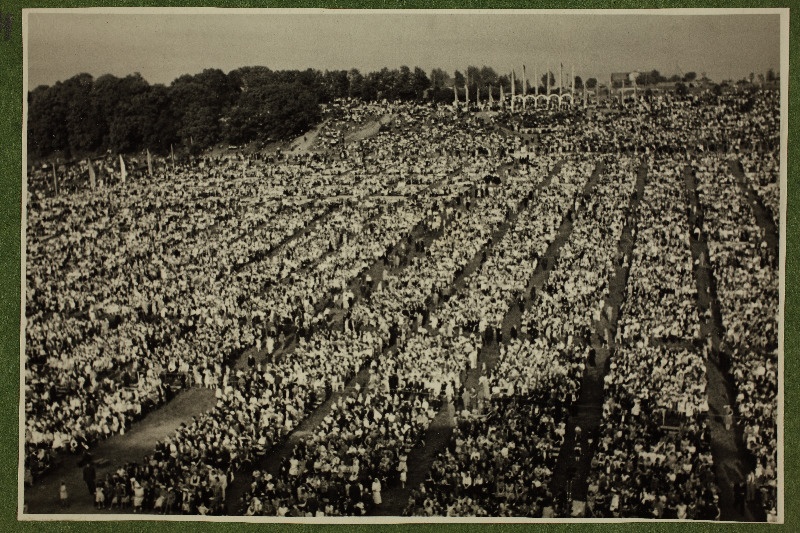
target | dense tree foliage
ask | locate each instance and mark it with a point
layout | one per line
(83, 115)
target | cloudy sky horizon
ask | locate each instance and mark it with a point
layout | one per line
(164, 45)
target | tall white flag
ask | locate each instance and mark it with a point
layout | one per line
(55, 179)
(92, 176)
(513, 89)
(123, 173)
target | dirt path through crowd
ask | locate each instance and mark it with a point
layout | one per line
(569, 482)
(356, 286)
(405, 250)
(732, 461)
(763, 216)
(439, 432)
(370, 129)
(110, 454)
(304, 142)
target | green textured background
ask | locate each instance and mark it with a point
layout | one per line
(10, 211)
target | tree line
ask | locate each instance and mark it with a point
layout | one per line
(83, 115)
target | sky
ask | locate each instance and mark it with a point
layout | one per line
(164, 45)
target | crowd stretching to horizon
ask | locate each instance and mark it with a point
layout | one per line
(388, 265)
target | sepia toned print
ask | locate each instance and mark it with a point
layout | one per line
(382, 266)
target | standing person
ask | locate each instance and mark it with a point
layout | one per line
(728, 417)
(376, 491)
(63, 495)
(750, 487)
(403, 468)
(138, 496)
(484, 382)
(89, 477)
(100, 497)
(739, 495)
(451, 412)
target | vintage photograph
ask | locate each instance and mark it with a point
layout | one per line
(380, 266)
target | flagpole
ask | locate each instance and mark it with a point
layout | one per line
(92, 177)
(513, 90)
(123, 172)
(572, 77)
(55, 179)
(524, 88)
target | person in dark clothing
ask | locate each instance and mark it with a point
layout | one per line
(89, 477)
(739, 492)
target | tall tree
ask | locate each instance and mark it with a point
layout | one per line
(419, 82)
(47, 127)
(488, 76)
(458, 79)
(544, 79)
(355, 83)
(201, 101)
(439, 78)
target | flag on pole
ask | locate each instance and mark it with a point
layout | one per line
(547, 82)
(524, 82)
(491, 100)
(455, 94)
(610, 89)
(92, 176)
(573, 80)
(149, 164)
(123, 173)
(55, 179)
(502, 96)
(535, 81)
(513, 89)
(561, 79)
(524, 87)
(466, 92)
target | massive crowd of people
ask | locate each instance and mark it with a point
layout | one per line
(395, 249)
(535, 381)
(762, 171)
(661, 266)
(747, 284)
